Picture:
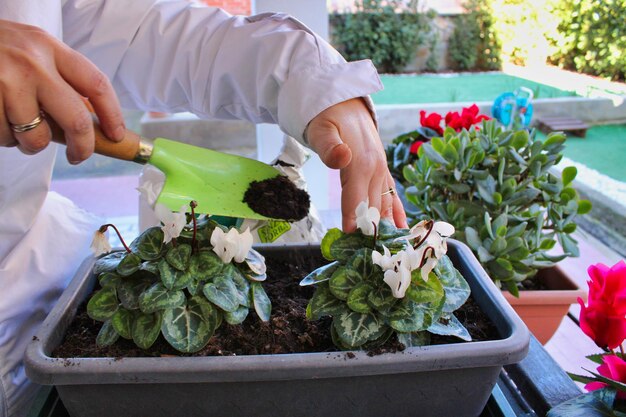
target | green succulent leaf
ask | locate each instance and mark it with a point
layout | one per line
(103, 304)
(262, 303)
(584, 206)
(107, 335)
(178, 256)
(146, 328)
(128, 265)
(223, 293)
(187, 328)
(432, 154)
(122, 322)
(158, 297)
(149, 245)
(568, 175)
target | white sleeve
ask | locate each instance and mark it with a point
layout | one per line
(174, 56)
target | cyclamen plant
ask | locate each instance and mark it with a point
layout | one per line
(604, 321)
(404, 148)
(180, 280)
(384, 280)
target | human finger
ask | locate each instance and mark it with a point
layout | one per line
(24, 118)
(353, 191)
(323, 137)
(84, 77)
(6, 134)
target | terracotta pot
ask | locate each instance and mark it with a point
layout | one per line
(544, 310)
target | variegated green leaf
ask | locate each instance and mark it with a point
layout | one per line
(421, 291)
(158, 297)
(109, 279)
(342, 281)
(414, 339)
(107, 335)
(323, 303)
(412, 317)
(255, 262)
(223, 293)
(169, 275)
(205, 265)
(122, 322)
(355, 329)
(321, 274)
(146, 328)
(382, 299)
(187, 328)
(130, 289)
(232, 273)
(597, 403)
(262, 303)
(151, 267)
(456, 288)
(149, 245)
(128, 265)
(103, 304)
(347, 245)
(178, 256)
(361, 263)
(357, 298)
(108, 263)
(450, 326)
(328, 239)
(237, 316)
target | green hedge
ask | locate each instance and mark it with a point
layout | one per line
(592, 37)
(387, 32)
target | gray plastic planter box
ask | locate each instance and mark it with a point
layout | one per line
(452, 380)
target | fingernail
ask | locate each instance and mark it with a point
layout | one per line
(74, 162)
(119, 132)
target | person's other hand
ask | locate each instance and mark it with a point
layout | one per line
(41, 74)
(345, 138)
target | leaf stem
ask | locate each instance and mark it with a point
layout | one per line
(194, 243)
(104, 228)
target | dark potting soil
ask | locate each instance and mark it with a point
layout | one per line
(277, 198)
(288, 330)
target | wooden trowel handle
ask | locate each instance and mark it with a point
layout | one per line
(131, 148)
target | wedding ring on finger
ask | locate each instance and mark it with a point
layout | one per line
(389, 191)
(25, 127)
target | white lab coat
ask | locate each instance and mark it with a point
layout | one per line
(160, 55)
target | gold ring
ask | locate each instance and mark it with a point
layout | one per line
(25, 127)
(389, 191)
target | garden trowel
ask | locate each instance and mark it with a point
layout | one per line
(216, 181)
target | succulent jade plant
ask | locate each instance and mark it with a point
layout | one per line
(179, 281)
(496, 188)
(383, 280)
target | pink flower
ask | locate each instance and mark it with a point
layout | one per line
(469, 116)
(603, 320)
(432, 121)
(613, 367)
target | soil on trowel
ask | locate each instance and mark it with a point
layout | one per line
(277, 198)
(288, 330)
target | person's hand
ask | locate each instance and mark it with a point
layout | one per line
(38, 73)
(345, 138)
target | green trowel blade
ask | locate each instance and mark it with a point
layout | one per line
(216, 181)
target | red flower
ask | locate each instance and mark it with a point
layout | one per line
(468, 117)
(603, 320)
(415, 146)
(433, 121)
(614, 368)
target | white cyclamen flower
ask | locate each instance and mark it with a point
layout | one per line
(231, 245)
(100, 243)
(367, 218)
(173, 223)
(398, 280)
(384, 260)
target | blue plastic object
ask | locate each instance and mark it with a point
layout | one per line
(514, 109)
